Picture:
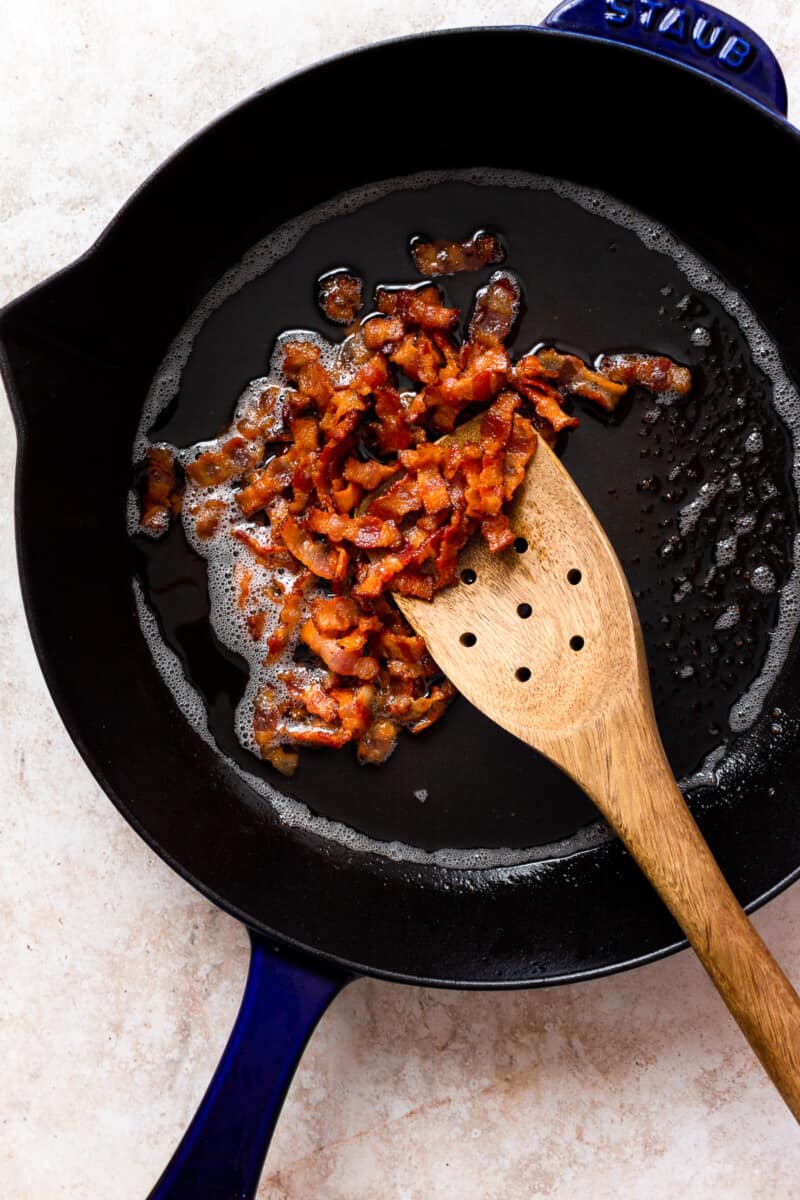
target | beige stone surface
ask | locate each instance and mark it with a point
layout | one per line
(118, 984)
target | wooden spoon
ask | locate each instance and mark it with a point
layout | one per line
(546, 641)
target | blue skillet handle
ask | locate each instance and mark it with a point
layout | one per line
(223, 1150)
(696, 35)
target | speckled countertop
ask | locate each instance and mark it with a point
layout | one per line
(118, 984)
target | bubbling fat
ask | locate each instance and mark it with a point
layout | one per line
(227, 557)
(230, 624)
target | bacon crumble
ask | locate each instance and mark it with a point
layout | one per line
(343, 484)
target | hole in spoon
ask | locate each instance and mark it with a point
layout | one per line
(524, 611)
(523, 674)
(574, 576)
(521, 545)
(468, 639)
(468, 575)
(576, 642)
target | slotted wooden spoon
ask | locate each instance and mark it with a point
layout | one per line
(547, 643)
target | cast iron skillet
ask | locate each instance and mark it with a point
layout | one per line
(703, 148)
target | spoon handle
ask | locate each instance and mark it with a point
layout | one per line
(637, 794)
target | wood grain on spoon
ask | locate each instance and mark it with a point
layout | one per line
(546, 641)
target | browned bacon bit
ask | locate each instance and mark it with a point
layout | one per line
(338, 476)
(368, 533)
(417, 357)
(571, 375)
(370, 474)
(446, 258)
(334, 614)
(265, 416)
(291, 612)
(378, 742)
(323, 562)
(532, 380)
(231, 459)
(496, 310)
(417, 306)
(382, 331)
(344, 655)
(162, 497)
(340, 297)
(355, 708)
(657, 374)
(310, 692)
(207, 517)
(256, 623)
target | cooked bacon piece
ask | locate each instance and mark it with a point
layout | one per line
(417, 306)
(289, 469)
(484, 373)
(334, 614)
(391, 426)
(290, 614)
(498, 532)
(308, 691)
(382, 331)
(256, 624)
(207, 517)
(367, 532)
(496, 424)
(301, 364)
(496, 310)
(262, 542)
(343, 404)
(400, 498)
(454, 538)
(308, 733)
(427, 710)
(372, 375)
(162, 497)
(269, 730)
(347, 497)
(343, 655)
(370, 474)
(418, 357)
(657, 374)
(355, 708)
(446, 258)
(265, 416)
(571, 374)
(411, 583)
(268, 483)
(340, 297)
(531, 379)
(375, 576)
(228, 461)
(520, 450)
(378, 742)
(326, 563)
(282, 760)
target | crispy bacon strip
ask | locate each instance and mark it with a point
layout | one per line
(657, 374)
(496, 310)
(446, 258)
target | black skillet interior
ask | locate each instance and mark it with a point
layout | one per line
(80, 356)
